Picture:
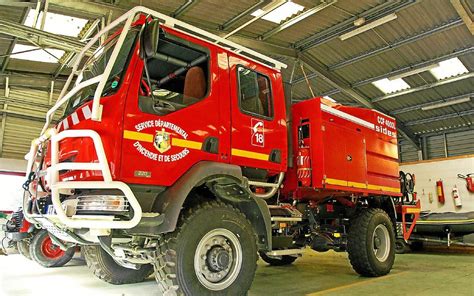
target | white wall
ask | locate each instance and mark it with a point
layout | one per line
(428, 172)
(13, 165)
(11, 193)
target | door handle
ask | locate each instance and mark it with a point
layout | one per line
(275, 156)
(349, 157)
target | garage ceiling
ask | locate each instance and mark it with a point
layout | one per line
(416, 41)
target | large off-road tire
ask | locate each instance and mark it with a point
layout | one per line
(105, 268)
(23, 247)
(46, 253)
(371, 243)
(277, 261)
(213, 251)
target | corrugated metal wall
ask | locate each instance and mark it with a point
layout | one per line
(23, 113)
(406, 151)
(435, 146)
(457, 143)
(461, 143)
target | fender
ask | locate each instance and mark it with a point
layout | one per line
(228, 184)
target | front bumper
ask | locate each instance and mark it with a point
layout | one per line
(59, 217)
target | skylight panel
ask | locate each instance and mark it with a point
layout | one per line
(388, 86)
(36, 54)
(281, 13)
(57, 23)
(449, 68)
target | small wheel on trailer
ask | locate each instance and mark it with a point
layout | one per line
(213, 251)
(371, 243)
(277, 260)
(401, 247)
(46, 253)
(23, 247)
(107, 269)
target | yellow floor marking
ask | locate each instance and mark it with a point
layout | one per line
(355, 284)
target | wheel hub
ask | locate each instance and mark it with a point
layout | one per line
(218, 259)
(51, 250)
(381, 242)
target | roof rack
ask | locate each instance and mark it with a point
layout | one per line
(203, 34)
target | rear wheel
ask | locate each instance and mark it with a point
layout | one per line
(371, 243)
(212, 252)
(105, 268)
(277, 260)
(23, 247)
(46, 253)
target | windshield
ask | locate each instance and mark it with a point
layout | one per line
(96, 65)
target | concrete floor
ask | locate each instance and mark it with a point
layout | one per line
(428, 273)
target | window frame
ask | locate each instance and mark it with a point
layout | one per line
(239, 95)
(197, 47)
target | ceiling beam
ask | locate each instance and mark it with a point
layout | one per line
(340, 83)
(386, 8)
(41, 38)
(441, 117)
(448, 130)
(423, 87)
(416, 66)
(399, 71)
(333, 79)
(462, 8)
(419, 106)
(266, 48)
(418, 36)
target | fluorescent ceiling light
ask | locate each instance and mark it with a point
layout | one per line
(369, 26)
(390, 86)
(57, 23)
(281, 13)
(413, 72)
(449, 68)
(36, 54)
(445, 104)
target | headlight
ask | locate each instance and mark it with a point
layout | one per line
(102, 203)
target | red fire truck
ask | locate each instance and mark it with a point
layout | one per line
(178, 152)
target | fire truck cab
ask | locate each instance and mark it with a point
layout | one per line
(176, 152)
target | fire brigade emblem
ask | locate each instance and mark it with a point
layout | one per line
(162, 141)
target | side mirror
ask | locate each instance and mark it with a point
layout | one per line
(150, 38)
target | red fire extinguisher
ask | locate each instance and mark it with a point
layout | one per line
(440, 191)
(304, 166)
(457, 197)
(469, 181)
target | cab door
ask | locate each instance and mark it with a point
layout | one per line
(259, 135)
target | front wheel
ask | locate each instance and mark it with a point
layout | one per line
(371, 243)
(46, 253)
(212, 252)
(105, 268)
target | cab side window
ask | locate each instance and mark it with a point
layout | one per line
(178, 76)
(255, 96)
